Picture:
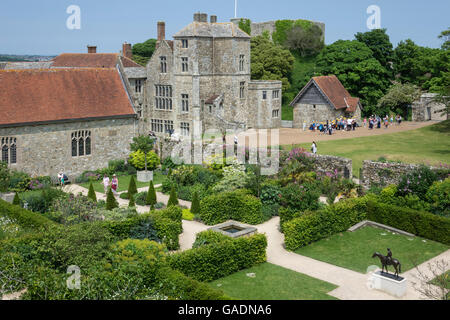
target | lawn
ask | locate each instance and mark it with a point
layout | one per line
(429, 145)
(124, 181)
(353, 250)
(272, 282)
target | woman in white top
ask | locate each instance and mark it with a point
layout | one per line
(314, 148)
(106, 183)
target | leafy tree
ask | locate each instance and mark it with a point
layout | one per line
(144, 144)
(4, 176)
(270, 61)
(360, 73)
(142, 52)
(132, 203)
(195, 206)
(111, 202)
(137, 159)
(445, 35)
(173, 199)
(306, 42)
(398, 98)
(91, 193)
(132, 189)
(16, 200)
(378, 41)
(151, 196)
(246, 26)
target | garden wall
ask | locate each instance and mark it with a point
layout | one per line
(326, 163)
(383, 174)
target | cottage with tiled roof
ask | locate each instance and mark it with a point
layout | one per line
(70, 119)
(324, 98)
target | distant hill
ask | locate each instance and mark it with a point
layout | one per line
(30, 58)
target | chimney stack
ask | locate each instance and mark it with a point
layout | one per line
(126, 50)
(213, 19)
(92, 49)
(161, 30)
(200, 17)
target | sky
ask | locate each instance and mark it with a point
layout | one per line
(39, 27)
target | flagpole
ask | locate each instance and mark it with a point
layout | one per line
(235, 8)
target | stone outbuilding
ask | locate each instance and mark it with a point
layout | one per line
(324, 98)
(70, 119)
(428, 109)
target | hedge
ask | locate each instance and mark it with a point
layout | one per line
(420, 223)
(26, 219)
(236, 205)
(209, 237)
(217, 260)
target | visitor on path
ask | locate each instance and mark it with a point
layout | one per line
(399, 120)
(330, 130)
(386, 122)
(365, 122)
(114, 184)
(314, 147)
(106, 183)
(378, 122)
(392, 120)
(304, 125)
(61, 178)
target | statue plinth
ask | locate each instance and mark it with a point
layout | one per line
(388, 283)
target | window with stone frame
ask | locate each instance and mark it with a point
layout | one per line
(275, 113)
(163, 97)
(184, 43)
(184, 64)
(264, 95)
(184, 103)
(241, 62)
(185, 128)
(8, 150)
(242, 90)
(275, 94)
(163, 60)
(168, 126)
(81, 143)
(138, 86)
(157, 125)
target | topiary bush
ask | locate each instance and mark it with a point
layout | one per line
(173, 198)
(132, 189)
(91, 193)
(151, 195)
(195, 205)
(111, 202)
(237, 205)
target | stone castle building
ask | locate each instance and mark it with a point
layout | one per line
(324, 99)
(428, 109)
(204, 74)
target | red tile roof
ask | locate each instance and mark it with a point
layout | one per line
(352, 104)
(128, 63)
(86, 60)
(30, 96)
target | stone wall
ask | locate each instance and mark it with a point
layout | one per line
(325, 163)
(46, 149)
(426, 109)
(382, 174)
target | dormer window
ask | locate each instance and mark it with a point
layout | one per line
(184, 43)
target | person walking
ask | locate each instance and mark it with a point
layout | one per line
(314, 147)
(106, 183)
(114, 184)
(365, 122)
(304, 125)
(61, 178)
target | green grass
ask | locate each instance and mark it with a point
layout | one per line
(353, 250)
(124, 181)
(273, 282)
(425, 145)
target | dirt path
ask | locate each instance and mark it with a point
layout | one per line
(289, 136)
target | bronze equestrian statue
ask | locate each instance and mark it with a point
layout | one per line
(388, 261)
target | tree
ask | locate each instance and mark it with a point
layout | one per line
(142, 52)
(132, 189)
(151, 196)
(445, 35)
(306, 42)
(91, 193)
(137, 160)
(195, 206)
(398, 98)
(4, 176)
(131, 203)
(270, 61)
(246, 26)
(173, 199)
(378, 41)
(434, 282)
(16, 200)
(142, 143)
(360, 73)
(111, 202)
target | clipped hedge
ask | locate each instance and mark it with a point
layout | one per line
(220, 259)
(26, 219)
(236, 205)
(420, 223)
(209, 237)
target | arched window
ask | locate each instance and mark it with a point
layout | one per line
(8, 150)
(81, 143)
(5, 156)
(88, 145)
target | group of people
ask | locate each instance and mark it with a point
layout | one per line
(113, 183)
(377, 121)
(330, 126)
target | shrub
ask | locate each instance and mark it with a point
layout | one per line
(117, 165)
(74, 209)
(195, 205)
(111, 201)
(124, 196)
(269, 211)
(19, 181)
(137, 159)
(151, 195)
(91, 193)
(188, 215)
(174, 213)
(26, 219)
(270, 194)
(439, 197)
(173, 199)
(41, 200)
(299, 198)
(168, 230)
(89, 176)
(131, 203)
(237, 205)
(220, 259)
(144, 229)
(417, 182)
(16, 200)
(4, 176)
(140, 198)
(132, 189)
(209, 237)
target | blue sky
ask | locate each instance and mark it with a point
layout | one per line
(39, 27)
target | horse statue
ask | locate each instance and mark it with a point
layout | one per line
(388, 261)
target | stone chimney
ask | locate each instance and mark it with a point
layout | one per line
(213, 19)
(161, 30)
(200, 17)
(126, 50)
(92, 49)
